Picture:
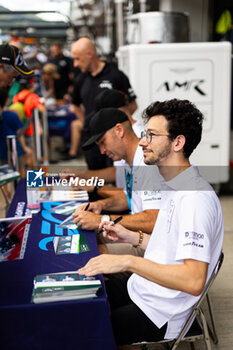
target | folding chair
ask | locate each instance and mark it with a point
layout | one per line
(200, 328)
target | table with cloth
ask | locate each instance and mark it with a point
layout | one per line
(74, 324)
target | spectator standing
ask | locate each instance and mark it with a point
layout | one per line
(10, 124)
(60, 117)
(95, 74)
(35, 59)
(63, 85)
(30, 101)
(12, 65)
(49, 76)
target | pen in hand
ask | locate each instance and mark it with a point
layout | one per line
(87, 206)
(111, 223)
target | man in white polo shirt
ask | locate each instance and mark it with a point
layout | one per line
(185, 244)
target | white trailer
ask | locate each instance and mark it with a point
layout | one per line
(199, 72)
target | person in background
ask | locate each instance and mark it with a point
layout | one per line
(64, 84)
(60, 117)
(60, 107)
(7, 75)
(14, 89)
(35, 58)
(12, 64)
(16, 40)
(49, 76)
(10, 124)
(30, 101)
(95, 75)
(184, 247)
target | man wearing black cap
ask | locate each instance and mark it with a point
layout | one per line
(112, 131)
(106, 98)
(12, 64)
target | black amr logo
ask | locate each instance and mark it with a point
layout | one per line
(193, 84)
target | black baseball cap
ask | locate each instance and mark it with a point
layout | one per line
(102, 121)
(11, 55)
(108, 98)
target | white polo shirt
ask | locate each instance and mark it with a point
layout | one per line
(146, 182)
(189, 226)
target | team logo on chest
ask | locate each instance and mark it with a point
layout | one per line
(105, 84)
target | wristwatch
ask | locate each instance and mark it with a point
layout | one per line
(105, 218)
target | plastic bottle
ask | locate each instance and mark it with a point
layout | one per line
(33, 200)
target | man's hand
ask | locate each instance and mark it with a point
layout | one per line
(118, 233)
(86, 219)
(105, 263)
(80, 208)
(94, 207)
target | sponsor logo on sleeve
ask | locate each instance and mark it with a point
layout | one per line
(195, 239)
(194, 235)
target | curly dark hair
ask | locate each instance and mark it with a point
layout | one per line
(183, 119)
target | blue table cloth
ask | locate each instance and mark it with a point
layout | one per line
(79, 324)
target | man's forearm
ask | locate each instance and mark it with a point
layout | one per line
(144, 221)
(107, 191)
(189, 277)
(78, 111)
(118, 202)
(22, 141)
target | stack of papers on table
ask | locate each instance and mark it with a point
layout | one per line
(64, 286)
(48, 194)
(70, 194)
